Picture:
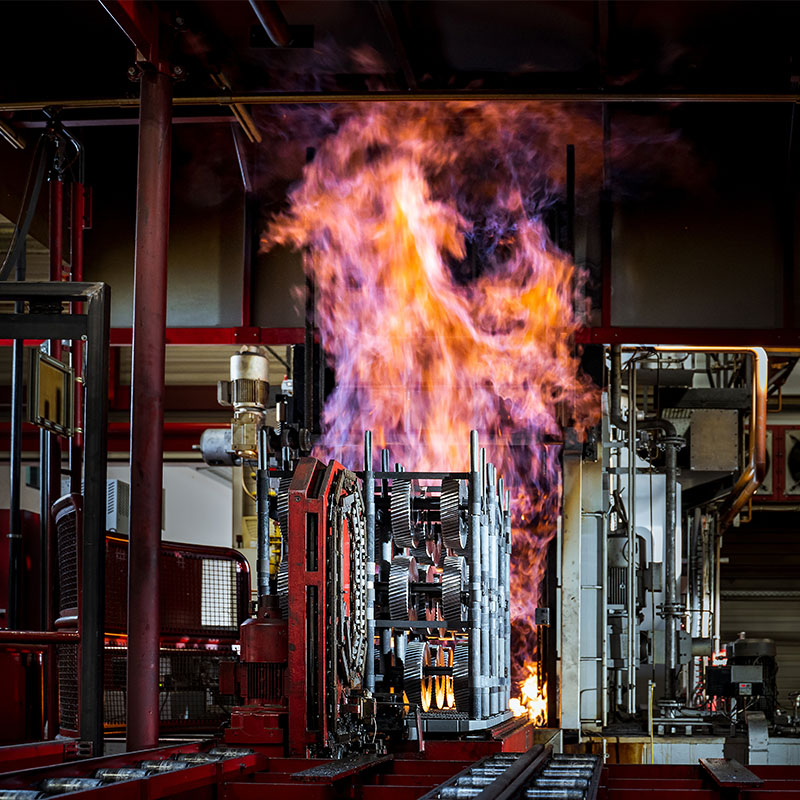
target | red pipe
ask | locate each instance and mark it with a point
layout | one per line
(147, 406)
(43, 638)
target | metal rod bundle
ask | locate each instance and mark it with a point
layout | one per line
(439, 588)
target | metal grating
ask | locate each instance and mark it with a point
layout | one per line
(204, 591)
(67, 656)
(617, 585)
(189, 696)
(265, 681)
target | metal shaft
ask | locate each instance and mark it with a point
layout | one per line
(386, 557)
(631, 576)
(670, 584)
(369, 490)
(485, 617)
(475, 492)
(262, 515)
(494, 707)
(147, 406)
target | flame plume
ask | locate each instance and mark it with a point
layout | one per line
(394, 208)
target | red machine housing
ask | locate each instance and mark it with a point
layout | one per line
(259, 678)
(284, 670)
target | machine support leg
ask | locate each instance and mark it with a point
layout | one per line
(147, 407)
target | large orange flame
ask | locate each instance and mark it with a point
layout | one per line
(445, 307)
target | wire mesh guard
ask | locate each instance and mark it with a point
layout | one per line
(202, 593)
(189, 696)
(67, 543)
(68, 687)
(205, 592)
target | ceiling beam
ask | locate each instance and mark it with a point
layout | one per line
(306, 98)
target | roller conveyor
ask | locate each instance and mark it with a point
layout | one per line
(536, 774)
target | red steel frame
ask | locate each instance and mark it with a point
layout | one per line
(308, 494)
(610, 334)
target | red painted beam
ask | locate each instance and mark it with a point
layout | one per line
(738, 337)
(35, 754)
(178, 436)
(122, 337)
(41, 638)
(732, 337)
(219, 336)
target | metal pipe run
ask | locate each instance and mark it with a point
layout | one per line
(262, 516)
(494, 705)
(15, 468)
(615, 388)
(272, 21)
(147, 407)
(509, 547)
(302, 98)
(41, 638)
(756, 468)
(671, 611)
(631, 571)
(484, 574)
(386, 557)
(369, 491)
(475, 494)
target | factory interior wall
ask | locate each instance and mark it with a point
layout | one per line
(29, 495)
(709, 255)
(763, 560)
(197, 504)
(206, 225)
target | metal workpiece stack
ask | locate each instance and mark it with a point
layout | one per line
(439, 607)
(566, 777)
(535, 774)
(473, 780)
(108, 775)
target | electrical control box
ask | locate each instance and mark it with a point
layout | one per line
(735, 681)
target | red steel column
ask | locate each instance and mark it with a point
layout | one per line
(147, 406)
